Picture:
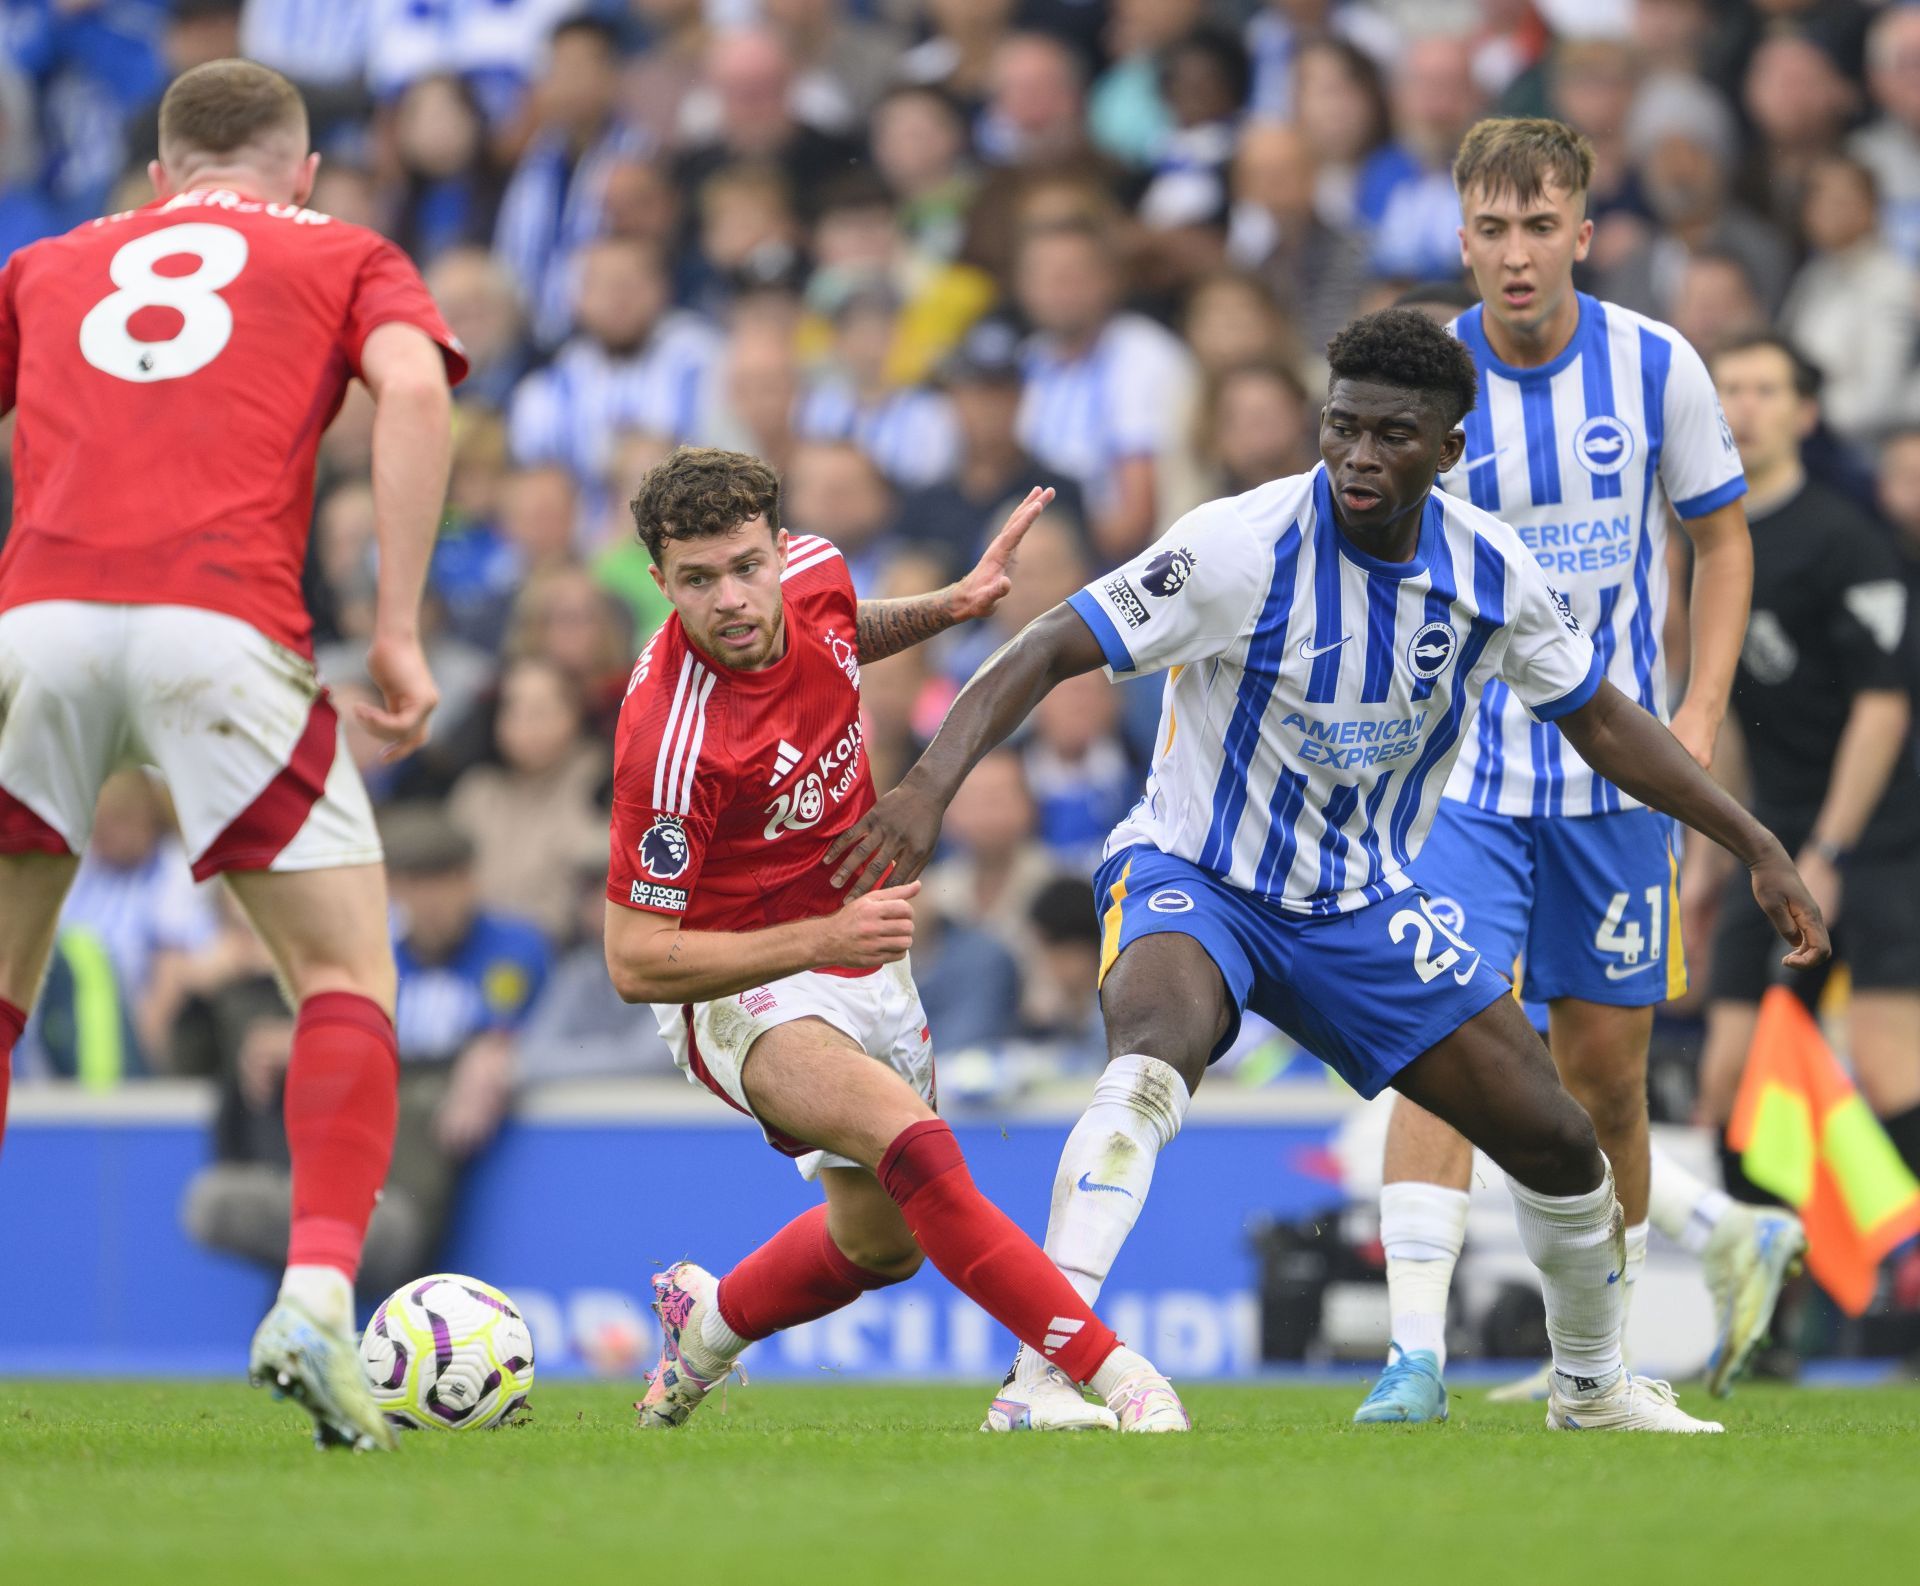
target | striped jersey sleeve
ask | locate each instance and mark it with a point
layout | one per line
(1185, 598)
(671, 778)
(1549, 663)
(1699, 465)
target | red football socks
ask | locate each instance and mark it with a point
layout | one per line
(341, 1106)
(12, 1022)
(983, 1253)
(796, 1276)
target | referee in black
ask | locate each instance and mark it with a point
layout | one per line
(1820, 703)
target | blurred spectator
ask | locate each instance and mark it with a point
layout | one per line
(968, 981)
(192, 33)
(1256, 426)
(749, 233)
(921, 149)
(635, 363)
(1061, 1003)
(1281, 30)
(319, 46)
(1715, 300)
(1851, 308)
(760, 383)
(1230, 318)
(1592, 86)
(745, 108)
(1053, 564)
(1341, 110)
(835, 490)
(565, 617)
(540, 516)
(133, 911)
(497, 45)
(1405, 194)
(959, 55)
(476, 567)
(466, 979)
(553, 203)
(578, 1028)
(1277, 231)
(1686, 141)
(952, 520)
(1890, 146)
(1127, 112)
(618, 561)
(1036, 112)
(842, 64)
(534, 814)
(477, 297)
(908, 431)
(1204, 78)
(659, 78)
(1108, 392)
(1800, 103)
(995, 864)
(25, 216)
(1078, 771)
(450, 184)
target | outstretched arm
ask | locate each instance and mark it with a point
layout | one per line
(886, 627)
(1718, 607)
(897, 836)
(1631, 749)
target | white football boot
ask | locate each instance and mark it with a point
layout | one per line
(1045, 1400)
(1145, 1402)
(687, 1373)
(1748, 1256)
(318, 1367)
(1632, 1404)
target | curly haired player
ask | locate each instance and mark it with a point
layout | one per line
(739, 758)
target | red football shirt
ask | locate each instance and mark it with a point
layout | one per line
(728, 785)
(173, 368)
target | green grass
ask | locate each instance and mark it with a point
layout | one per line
(127, 1483)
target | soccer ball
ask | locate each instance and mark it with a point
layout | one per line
(448, 1352)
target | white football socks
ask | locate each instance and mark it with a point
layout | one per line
(1104, 1173)
(1636, 1257)
(324, 1293)
(720, 1341)
(1681, 1207)
(1422, 1227)
(1579, 1244)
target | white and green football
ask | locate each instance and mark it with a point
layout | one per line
(450, 1353)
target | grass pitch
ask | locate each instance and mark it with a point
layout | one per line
(843, 1485)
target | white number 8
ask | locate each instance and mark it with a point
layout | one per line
(207, 321)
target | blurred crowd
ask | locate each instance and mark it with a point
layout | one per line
(919, 254)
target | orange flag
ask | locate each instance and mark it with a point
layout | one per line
(1805, 1134)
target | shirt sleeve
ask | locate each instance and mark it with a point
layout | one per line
(1699, 463)
(1185, 598)
(669, 787)
(389, 290)
(9, 338)
(1869, 622)
(1549, 663)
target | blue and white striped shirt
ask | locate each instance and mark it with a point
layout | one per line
(312, 41)
(572, 411)
(1582, 456)
(911, 434)
(1126, 397)
(1317, 696)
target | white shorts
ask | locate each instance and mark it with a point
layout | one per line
(238, 725)
(880, 1012)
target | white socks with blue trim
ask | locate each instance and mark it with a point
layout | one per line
(1105, 1171)
(1681, 1206)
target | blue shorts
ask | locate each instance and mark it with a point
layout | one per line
(1365, 992)
(1586, 906)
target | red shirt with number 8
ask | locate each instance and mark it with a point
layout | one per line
(173, 368)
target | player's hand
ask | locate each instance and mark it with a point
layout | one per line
(989, 583)
(1784, 898)
(1822, 878)
(399, 670)
(892, 842)
(874, 930)
(1698, 730)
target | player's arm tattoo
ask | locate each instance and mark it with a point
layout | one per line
(886, 627)
(673, 952)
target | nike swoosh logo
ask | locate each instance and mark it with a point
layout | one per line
(1622, 971)
(1486, 457)
(1312, 652)
(1613, 1277)
(1086, 1183)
